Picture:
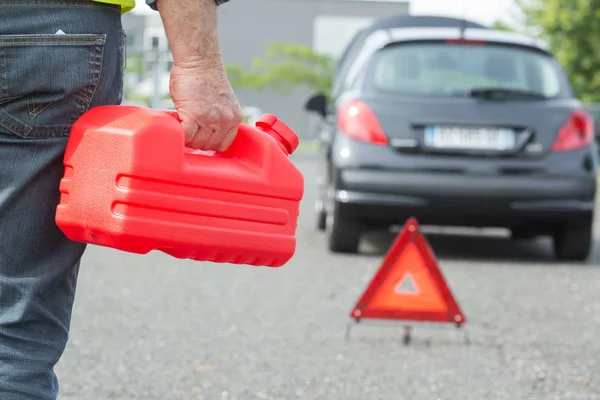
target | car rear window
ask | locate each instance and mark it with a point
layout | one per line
(442, 69)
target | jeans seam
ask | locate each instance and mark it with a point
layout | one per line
(85, 96)
(24, 133)
(50, 40)
(34, 110)
(2, 68)
(96, 71)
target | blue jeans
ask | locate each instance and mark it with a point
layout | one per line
(46, 82)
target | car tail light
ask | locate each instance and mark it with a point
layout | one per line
(357, 121)
(576, 132)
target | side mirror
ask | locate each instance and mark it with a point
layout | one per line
(318, 104)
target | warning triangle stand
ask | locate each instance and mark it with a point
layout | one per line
(408, 286)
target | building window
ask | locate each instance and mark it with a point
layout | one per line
(155, 39)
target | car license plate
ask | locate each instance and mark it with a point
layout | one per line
(458, 138)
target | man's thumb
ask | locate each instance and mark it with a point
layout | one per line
(189, 128)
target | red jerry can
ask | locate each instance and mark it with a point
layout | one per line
(131, 184)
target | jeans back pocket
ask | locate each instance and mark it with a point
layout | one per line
(47, 81)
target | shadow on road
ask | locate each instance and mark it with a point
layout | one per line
(476, 248)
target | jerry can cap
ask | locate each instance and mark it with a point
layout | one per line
(270, 124)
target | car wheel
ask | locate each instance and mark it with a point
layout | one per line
(522, 233)
(321, 215)
(344, 234)
(320, 205)
(573, 243)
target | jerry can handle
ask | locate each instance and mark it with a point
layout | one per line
(286, 138)
(283, 135)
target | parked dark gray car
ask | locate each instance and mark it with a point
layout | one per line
(455, 124)
(594, 110)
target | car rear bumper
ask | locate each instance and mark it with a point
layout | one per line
(471, 200)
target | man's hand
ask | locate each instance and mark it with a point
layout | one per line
(209, 111)
(207, 106)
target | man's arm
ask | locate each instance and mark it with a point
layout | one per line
(191, 27)
(152, 3)
(200, 90)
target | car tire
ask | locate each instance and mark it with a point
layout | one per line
(321, 219)
(320, 209)
(522, 233)
(573, 243)
(343, 234)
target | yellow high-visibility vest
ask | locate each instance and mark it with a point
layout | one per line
(126, 5)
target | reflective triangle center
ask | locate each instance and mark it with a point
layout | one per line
(409, 286)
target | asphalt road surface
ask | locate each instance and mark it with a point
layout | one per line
(153, 327)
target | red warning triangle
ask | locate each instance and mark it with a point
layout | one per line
(409, 284)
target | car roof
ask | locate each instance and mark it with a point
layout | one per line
(412, 21)
(421, 21)
(415, 27)
(383, 37)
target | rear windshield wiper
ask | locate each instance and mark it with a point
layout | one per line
(504, 94)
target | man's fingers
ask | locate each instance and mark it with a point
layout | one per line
(234, 120)
(210, 128)
(202, 137)
(215, 138)
(221, 140)
(209, 111)
(228, 139)
(228, 126)
(217, 134)
(189, 128)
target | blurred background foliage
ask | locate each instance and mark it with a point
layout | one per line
(285, 67)
(572, 30)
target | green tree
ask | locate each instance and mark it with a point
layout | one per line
(285, 67)
(502, 26)
(134, 64)
(572, 30)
